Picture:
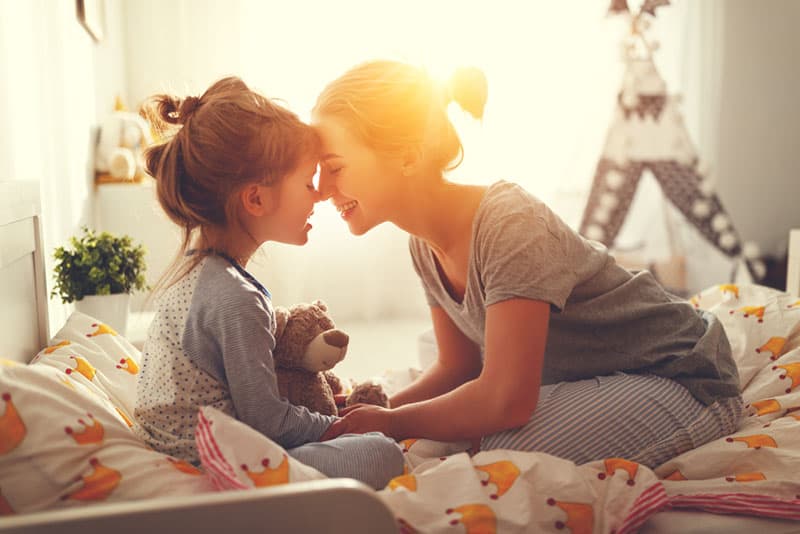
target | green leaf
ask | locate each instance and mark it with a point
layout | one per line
(97, 265)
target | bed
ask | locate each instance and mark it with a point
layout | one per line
(70, 463)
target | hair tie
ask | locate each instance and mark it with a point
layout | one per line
(187, 108)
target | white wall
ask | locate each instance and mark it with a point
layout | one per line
(54, 85)
(758, 153)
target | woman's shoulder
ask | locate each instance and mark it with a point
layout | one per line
(509, 203)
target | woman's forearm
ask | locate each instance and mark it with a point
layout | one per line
(469, 411)
(434, 381)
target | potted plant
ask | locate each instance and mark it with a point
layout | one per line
(99, 272)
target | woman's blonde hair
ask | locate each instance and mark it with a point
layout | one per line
(215, 145)
(393, 106)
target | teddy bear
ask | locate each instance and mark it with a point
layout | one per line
(307, 346)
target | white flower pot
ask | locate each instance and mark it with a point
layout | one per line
(108, 309)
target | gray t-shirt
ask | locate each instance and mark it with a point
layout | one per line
(604, 318)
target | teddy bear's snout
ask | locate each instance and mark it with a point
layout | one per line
(336, 338)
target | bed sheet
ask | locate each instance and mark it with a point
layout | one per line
(754, 472)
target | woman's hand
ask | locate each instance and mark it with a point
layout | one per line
(360, 418)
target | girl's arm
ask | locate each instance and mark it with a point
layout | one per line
(503, 396)
(458, 361)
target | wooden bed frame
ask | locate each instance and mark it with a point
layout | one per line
(332, 505)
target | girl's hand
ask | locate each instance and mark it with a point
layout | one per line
(360, 418)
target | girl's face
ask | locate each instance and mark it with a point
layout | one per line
(296, 195)
(354, 177)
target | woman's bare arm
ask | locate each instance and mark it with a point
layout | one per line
(458, 361)
(503, 396)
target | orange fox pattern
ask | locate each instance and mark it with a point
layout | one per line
(12, 428)
(90, 435)
(580, 516)
(97, 485)
(269, 477)
(502, 474)
(476, 518)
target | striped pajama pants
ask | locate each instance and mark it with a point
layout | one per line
(643, 418)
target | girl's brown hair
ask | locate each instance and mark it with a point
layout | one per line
(216, 144)
(393, 106)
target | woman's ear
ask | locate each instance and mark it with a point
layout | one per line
(411, 162)
(257, 200)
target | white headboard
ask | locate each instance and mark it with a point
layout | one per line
(793, 269)
(23, 292)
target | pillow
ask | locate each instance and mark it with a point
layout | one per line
(62, 444)
(65, 436)
(762, 324)
(236, 456)
(95, 355)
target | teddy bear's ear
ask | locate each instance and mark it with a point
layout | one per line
(281, 318)
(321, 304)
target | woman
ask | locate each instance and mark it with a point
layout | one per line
(544, 342)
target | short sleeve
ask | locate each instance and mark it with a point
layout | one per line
(522, 252)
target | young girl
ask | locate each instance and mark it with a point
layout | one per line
(544, 342)
(236, 174)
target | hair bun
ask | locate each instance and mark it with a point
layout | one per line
(468, 86)
(188, 106)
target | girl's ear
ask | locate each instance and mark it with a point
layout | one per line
(257, 200)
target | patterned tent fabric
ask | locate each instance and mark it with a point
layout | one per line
(648, 133)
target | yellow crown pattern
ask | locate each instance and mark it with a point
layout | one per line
(269, 477)
(12, 428)
(102, 329)
(90, 435)
(97, 485)
(476, 518)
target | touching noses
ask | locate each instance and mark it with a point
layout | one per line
(326, 187)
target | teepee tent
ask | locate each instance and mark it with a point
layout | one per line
(648, 134)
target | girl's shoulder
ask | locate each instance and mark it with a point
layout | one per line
(221, 285)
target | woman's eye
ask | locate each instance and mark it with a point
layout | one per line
(334, 172)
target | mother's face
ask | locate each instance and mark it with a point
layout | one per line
(354, 177)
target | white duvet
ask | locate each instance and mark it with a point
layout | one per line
(755, 471)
